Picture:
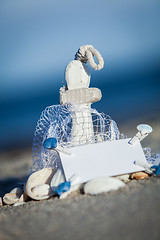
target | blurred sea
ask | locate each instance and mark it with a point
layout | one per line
(125, 96)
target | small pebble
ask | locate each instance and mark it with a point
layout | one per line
(50, 143)
(102, 184)
(139, 175)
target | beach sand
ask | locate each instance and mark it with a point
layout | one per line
(132, 212)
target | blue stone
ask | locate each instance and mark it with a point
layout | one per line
(50, 143)
(156, 168)
(63, 187)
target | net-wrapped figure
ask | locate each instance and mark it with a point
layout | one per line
(57, 121)
(73, 122)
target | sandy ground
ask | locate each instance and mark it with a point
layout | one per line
(128, 213)
(132, 212)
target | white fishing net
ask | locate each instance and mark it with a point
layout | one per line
(152, 159)
(70, 128)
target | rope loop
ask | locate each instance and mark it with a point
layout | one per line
(86, 53)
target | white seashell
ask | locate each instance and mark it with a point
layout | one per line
(143, 131)
(44, 189)
(124, 177)
(10, 198)
(75, 179)
(38, 178)
(57, 179)
(13, 196)
(18, 204)
(23, 198)
(102, 184)
(17, 190)
(1, 202)
(144, 128)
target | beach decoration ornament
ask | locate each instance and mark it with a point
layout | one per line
(73, 122)
(70, 137)
(63, 128)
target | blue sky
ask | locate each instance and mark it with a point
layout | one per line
(41, 37)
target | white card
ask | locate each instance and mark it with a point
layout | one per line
(109, 158)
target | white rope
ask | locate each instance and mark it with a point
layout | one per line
(86, 53)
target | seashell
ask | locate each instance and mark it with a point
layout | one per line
(23, 198)
(70, 185)
(125, 177)
(102, 184)
(18, 204)
(144, 128)
(10, 198)
(139, 175)
(17, 190)
(42, 188)
(75, 179)
(35, 184)
(57, 179)
(13, 196)
(1, 202)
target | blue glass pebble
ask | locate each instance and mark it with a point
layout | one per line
(157, 169)
(63, 187)
(50, 143)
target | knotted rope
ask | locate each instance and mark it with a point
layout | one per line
(86, 53)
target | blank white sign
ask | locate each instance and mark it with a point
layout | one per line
(109, 158)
